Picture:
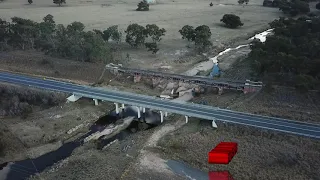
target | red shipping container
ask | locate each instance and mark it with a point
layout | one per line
(228, 149)
(222, 153)
(220, 175)
(228, 144)
(219, 157)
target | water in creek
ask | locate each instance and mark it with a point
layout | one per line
(21, 170)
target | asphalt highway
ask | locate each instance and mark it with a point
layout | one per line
(188, 109)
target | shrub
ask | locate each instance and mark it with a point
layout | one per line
(143, 6)
(135, 35)
(152, 47)
(231, 20)
(30, 1)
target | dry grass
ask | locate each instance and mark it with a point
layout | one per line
(261, 155)
(15, 100)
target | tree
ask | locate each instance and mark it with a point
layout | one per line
(4, 34)
(46, 30)
(59, 2)
(143, 6)
(135, 35)
(155, 33)
(231, 20)
(24, 32)
(113, 33)
(294, 7)
(202, 36)
(30, 1)
(292, 54)
(188, 33)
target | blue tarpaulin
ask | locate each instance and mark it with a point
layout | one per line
(215, 71)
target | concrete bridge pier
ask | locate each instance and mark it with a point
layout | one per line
(187, 119)
(214, 124)
(96, 103)
(161, 116)
(117, 108)
(220, 90)
(122, 107)
(139, 113)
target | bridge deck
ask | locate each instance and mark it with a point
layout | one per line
(184, 108)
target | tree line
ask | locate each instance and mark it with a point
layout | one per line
(69, 41)
(292, 54)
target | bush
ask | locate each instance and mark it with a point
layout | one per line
(143, 6)
(152, 47)
(135, 35)
(231, 20)
(304, 82)
(30, 1)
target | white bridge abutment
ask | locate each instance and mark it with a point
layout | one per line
(96, 103)
(139, 112)
(214, 124)
(117, 108)
(161, 116)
